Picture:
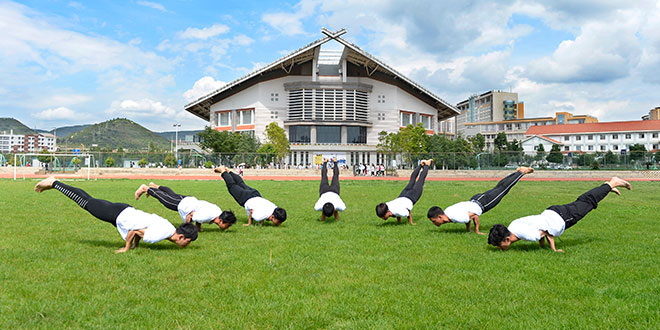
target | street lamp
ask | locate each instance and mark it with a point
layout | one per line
(176, 143)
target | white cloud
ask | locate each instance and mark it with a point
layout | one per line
(57, 114)
(202, 87)
(75, 4)
(290, 24)
(153, 5)
(205, 33)
(140, 108)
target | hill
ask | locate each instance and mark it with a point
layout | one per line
(8, 124)
(114, 133)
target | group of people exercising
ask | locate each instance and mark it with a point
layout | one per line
(134, 225)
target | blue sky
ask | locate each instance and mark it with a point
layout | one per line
(75, 62)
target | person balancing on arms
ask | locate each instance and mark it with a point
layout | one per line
(479, 204)
(257, 207)
(329, 201)
(133, 225)
(402, 206)
(190, 208)
(554, 220)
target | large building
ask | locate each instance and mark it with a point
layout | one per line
(594, 137)
(329, 100)
(26, 143)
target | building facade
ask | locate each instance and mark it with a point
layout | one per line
(330, 101)
(12, 143)
(594, 137)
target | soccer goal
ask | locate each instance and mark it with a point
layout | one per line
(55, 163)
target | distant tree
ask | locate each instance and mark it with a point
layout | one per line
(276, 136)
(657, 156)
(637, 151)
(500, 141)
(412, 137)
(227, 142)
(595, 165)
(109, 162)
(585, 159)
(611, 158)
(153, 147)
(555, 155)
(441, 147)
(267, 153)
(208, 164)
(388, 142)
(75, 162)
(540, 152)
(169, 161)
(142, 162)
(46, 158)
(120, 149)
(478, 142)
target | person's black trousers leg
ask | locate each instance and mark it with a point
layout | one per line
(334, 186)
(167, 197)
(491, 198)
(411, 182)
(99, 208)
(240, 191)
(324, 187)
(573, 212)
(414, 189)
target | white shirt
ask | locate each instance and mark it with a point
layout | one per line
(155, 227)
(459, 212)
(529, 228)
(332, 198)
(261, 208)
(204, 211)
(400, 207)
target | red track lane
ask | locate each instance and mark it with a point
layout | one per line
(304, 178)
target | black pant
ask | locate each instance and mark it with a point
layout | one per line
(238, 189)
(414, 189)
(99, 208)
(573, 212)
(491, 198)
(167, 197)
(325, 187)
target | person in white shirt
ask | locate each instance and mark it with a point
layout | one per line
(190, 208)
(554, 220)
(133, 225)
(479, 204)
(402, 206)
(329, 201)
(257, 207)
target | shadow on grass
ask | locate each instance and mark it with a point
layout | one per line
(119, 244)
(534, 246)
(392, 223)
(450, 230)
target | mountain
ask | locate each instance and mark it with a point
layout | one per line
(8, 124)
(114, 133)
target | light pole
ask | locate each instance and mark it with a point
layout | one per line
(176, 143)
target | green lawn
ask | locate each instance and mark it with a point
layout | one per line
(58, 269)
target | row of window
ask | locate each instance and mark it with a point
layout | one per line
(245, 117)
(327, 134)
(602, 148)
(614, 136)
(408, 118)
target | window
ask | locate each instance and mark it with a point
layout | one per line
(566, 138)
(602, 148)
(615, 147)
(591, 148)
(328, 134)
(641, 135)
(299, 134)
(245, 117)
(602, 137)
(655, 146)
(628, 136)
(590, 137)
(381, 116)
(655, 135)
(356, 135)
(566, 148)
(615, 136)
(578, 148)
(406, 119)
(224, 119)
(426, 121)
(578, 138)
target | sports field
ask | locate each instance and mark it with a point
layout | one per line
(58, 269)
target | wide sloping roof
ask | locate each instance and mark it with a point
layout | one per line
(614, 126)
(543, 138)
(355, 55)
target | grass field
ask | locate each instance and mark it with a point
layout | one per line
(58, 269)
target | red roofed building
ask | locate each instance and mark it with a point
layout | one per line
(596, 137)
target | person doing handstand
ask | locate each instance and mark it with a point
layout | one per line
(329, 202)
(554, 220)
(132, 224)
(190, 208)
(402, 206)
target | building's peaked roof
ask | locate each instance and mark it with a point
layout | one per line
(614, 126)
(543, 138)
(201, 106)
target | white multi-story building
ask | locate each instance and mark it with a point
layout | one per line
(27, 143)
(329, 100)
(594, 137)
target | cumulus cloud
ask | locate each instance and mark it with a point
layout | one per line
(290, 23)
(153, 5)
(202, 87)
(57, 114)
(204, 33)
(140, 108)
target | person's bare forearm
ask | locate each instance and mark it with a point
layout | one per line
(322, 216)
(337, 215)
(475, 218)
(551, 241)
(136, 241)
(129, 242)
(410, 218)
(398, 219)
(249, 219)
(189, 217)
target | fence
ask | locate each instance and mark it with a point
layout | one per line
(445, 160)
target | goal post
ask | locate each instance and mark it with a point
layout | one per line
(58, 159)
